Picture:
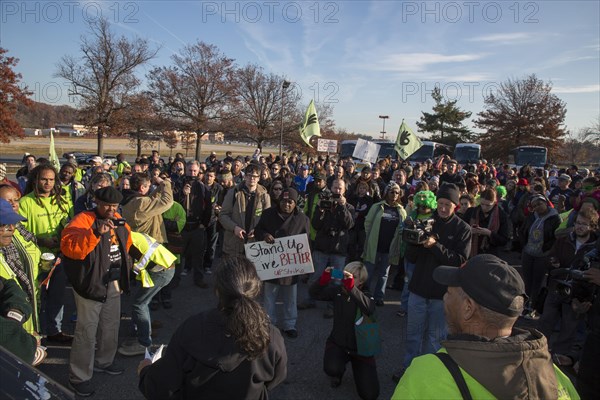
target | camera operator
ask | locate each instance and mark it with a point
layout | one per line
(319, 191)
(448, 244)
(569, 252)
(332, 220)
(196, 201)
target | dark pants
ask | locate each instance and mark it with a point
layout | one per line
(194, 246)
(534, 272)
(211, 245)
(588, 382)
(53, 301)
(364, 369)
(557, 308)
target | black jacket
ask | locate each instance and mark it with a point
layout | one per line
(88, 268)
(271, 222)
(199, 209)
(551, 223)
(498, 238)
(452, 248)
(332, 226)
(344, 311)
(203, 362)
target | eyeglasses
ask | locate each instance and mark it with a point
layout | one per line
(582, 224)
(6, 228)
(277, 188)
(252, 176)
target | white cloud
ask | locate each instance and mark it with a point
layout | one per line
(502, 38)
(416, 62)
(576, 89)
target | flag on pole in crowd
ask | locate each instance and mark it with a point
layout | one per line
(406, 142)
(53, 157)
(310, 125)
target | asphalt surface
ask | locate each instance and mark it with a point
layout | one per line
(306, 379)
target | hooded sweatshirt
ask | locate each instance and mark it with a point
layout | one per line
(514, 367)
(203, 362)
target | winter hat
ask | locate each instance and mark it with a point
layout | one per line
(450, 192)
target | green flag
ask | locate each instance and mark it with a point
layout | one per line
(406, 142)
(53, 157)
(310, 125)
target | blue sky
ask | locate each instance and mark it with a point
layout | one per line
(366, 58)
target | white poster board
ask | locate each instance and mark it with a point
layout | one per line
(366, 151)
(327, 145)
(288, 256)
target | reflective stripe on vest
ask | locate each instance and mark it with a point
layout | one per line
(140, 267)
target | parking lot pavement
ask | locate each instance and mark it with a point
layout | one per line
(306, 379)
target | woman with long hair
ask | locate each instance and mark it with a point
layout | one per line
(231, 352)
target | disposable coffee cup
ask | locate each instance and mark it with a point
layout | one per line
(47, 261)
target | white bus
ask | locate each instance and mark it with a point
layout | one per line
(535, 156)
(467, 153)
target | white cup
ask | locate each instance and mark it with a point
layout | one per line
(47, 261)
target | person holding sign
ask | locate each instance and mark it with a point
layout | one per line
(276, 222)
(350, 305)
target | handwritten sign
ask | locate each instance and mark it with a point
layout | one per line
(366, 151)
(288, 256)
(327, 145)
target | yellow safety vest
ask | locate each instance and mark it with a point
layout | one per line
(152, 251)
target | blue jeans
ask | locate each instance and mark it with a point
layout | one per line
(288, 297)
(322, 261)
(140, 312)
(425, 327)
(409, 268)
(378, 273)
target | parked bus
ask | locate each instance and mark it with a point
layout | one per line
(535, 156)
(467, 153)
(385, 148)
(430, 151)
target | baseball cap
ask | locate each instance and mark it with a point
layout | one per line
(564, 177)
(488, 280)
(8, 216)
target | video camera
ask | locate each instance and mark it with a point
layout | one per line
(417, 231)
(326, 199)
(570, 282)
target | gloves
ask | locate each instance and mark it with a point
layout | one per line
(348, 283)
(325, 278)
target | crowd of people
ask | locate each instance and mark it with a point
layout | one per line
(143, 227)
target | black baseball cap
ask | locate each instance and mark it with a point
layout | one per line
(488, 280)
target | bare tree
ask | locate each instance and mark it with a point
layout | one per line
(255, 113)
(196, 89)
(592, 132)
(522, 112)
(103, 76)
(171, 140)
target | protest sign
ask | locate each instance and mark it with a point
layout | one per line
(288, 256)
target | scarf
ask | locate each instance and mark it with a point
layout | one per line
(481, 243)
(13, 260)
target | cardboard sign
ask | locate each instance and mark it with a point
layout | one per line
(288, 256)
(366, 151)
(327, 145)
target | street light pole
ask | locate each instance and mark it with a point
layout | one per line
(284, 85)
(383, 117)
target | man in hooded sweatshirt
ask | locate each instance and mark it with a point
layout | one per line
(490, 358)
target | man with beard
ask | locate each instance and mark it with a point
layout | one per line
(242, 208)
(72, 188)
(196, 201)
